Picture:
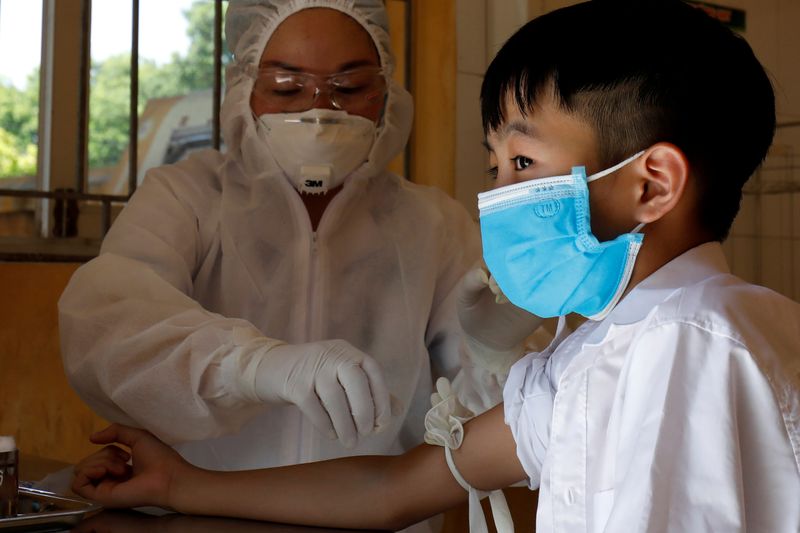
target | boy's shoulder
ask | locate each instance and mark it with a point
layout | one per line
(697, 288)
(730, 325)
(733, 335)
(695, 297)
(726, 304)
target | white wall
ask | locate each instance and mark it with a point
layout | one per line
(764, 246)
(472, 59)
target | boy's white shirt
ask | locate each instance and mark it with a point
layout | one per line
(680, 411)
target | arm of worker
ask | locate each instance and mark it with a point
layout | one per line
(134, 339)
(486, 332)
(494, 329)
(476, 359)
(384, 492)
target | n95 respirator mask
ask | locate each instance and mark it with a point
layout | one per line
(317, 149)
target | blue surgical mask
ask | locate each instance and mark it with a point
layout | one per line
(539, 247)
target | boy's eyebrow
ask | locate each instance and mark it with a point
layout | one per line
(518, 126)
(515, 126)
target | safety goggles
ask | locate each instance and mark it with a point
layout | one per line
(290, 92)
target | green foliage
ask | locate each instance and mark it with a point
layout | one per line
(196, 70)
(109, 99)
(16, 161)
(109, 90)
(19, 126)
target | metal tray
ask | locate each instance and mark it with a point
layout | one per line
(40, 510)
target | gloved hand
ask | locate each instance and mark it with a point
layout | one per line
(495, 329)
(444, 421)
(338, 387)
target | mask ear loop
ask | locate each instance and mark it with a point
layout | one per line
(616, 167)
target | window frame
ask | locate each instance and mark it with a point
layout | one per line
(62, 168)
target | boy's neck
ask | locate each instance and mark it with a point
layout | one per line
(661, 245)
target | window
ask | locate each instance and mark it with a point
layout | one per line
(175, 88)
(19, 110)
(139, 70)
(123, 86)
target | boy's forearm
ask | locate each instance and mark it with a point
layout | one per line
(377, 492)
(351, 492)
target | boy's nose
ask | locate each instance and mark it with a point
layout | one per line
(503, 179)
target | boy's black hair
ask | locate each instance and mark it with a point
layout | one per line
(646, 71)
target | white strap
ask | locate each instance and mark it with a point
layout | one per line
(502, 515)
(448, 455)
(606, 172)
(477, 520)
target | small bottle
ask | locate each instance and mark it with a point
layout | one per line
(9, 495)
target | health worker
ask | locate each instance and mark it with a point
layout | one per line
(290, 300)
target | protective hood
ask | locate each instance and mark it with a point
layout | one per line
(249, 25)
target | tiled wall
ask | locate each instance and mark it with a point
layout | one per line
(764, 246)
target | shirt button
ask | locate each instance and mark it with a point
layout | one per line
(569, 496)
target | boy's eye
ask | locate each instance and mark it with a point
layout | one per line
(492, 173)
(521, 162)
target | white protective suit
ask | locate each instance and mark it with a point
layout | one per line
(216, 253)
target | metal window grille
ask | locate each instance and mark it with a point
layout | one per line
(65, 200)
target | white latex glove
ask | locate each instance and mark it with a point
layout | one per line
(495, 329)
(444, 422)
(338, 387)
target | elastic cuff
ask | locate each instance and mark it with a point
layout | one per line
(239, 367)
(494, 361)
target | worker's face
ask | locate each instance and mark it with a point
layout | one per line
(320, 42)
(548, 142)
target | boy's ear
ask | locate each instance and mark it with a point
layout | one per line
(663, 175)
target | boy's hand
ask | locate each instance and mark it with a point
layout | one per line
(107, 478)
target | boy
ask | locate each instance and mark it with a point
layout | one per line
(676, 406)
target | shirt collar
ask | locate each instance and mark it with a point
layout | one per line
(691, 267)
